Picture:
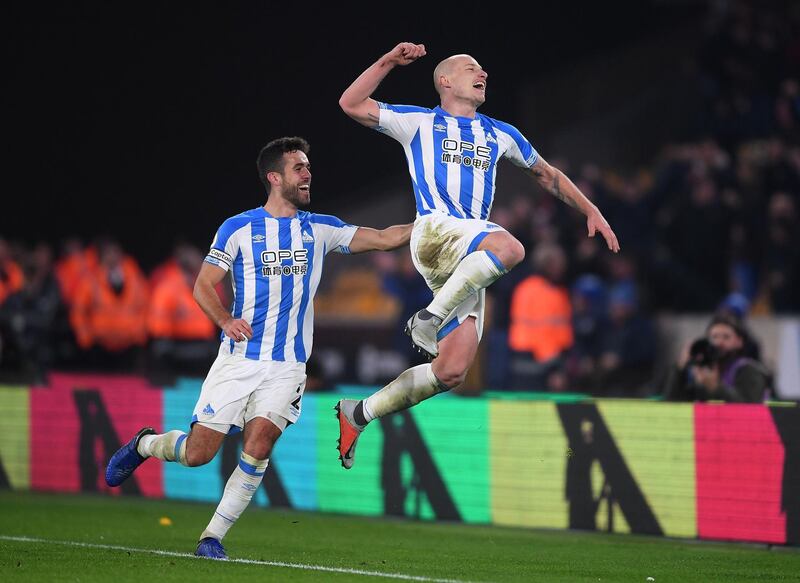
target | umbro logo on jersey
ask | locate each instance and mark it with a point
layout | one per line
(258, 238)
(438, 127)
(208, 410)
(307, 238)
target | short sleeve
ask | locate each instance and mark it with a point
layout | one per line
(401, 122)
(334, 232)
(225, 247)
(515, 146)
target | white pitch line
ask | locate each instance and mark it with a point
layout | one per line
(27, 539)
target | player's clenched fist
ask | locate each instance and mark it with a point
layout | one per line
(406, 53)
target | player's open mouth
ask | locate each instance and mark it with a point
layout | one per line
(304, 186)
(480, 85)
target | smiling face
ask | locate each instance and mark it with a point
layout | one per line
(461, 78)
(293, 183)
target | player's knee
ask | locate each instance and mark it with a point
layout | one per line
(198, 457)
(507, 249)
(515, 253)
(451, 375)
(259, 451)
(454, 380)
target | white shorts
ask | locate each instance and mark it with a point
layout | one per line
(237, 389)
(438, 244)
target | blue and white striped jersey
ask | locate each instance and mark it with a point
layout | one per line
(453, 160)
(276, 265)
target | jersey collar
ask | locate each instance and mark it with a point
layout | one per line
(438, 109)
(260, 212)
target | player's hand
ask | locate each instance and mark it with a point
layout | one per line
(596, 223)
(237, 330)
(405, 53)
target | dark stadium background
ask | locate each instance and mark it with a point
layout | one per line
(143, 121)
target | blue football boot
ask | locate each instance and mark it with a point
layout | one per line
(126, 459)
(211, 548)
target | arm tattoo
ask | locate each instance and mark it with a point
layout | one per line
(555, 189)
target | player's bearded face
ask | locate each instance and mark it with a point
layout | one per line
(298, 192)
(296, 179)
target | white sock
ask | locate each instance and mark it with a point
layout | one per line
(239, 490)
(412, 386)
(369, 415)
(170, 446)
(476, 271)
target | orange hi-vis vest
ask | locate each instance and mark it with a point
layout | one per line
(174, 313)
(541, 319)
(72, 270)
(13, 280)
(165, 270)
(101, 317)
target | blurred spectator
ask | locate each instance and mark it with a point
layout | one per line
(698, 237)
(517, 218)
(11, 276)
(33, 321)
(74, 266)
(166, 270)
(744, 257)
(628, 347)
(499, 300)
(541, 326)
(357, 294)
(400, 280)
(715, 368)
(183, 338)
(630, 210)
(589, 319)
(110, 309)
(622, 270)
(787, 110)
(497, 359)
(734, 305)
(588, 254)
(737, 307)
(781, 281)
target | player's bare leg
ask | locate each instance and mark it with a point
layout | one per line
(260, 435)
(196, 448)
(202, 444)
(496, 254)
(457, 352)
(448, 370)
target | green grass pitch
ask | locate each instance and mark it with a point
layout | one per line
(112, 539)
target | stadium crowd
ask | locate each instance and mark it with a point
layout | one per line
(711, 224)
(93, 308)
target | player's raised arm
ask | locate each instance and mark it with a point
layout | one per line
(206, 297)
(368, 239)
(357, 102)
(559, 185)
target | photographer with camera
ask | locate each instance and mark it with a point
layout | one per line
(715, 368)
